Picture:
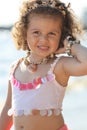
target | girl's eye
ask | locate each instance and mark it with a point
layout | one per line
(36, 33)
(52, 34)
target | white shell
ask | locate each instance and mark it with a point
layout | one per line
(43, 112)
(28, 112)
(10, 112)
(50, 112)
(56, 112)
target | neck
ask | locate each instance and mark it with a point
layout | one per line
(37, 60)
(33, 58)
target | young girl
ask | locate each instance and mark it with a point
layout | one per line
(37, 82)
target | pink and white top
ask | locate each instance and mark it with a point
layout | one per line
(44, 94)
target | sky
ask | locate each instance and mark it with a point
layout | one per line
(9, 9)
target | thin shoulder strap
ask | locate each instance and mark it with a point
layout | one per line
(53, 65)
(13, 67)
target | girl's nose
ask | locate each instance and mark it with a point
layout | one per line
(43, 38)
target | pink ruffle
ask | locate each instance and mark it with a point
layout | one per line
(33, 85)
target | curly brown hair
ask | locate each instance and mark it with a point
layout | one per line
(70, 25)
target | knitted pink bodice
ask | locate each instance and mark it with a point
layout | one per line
(43, 93)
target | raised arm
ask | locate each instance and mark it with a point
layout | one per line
(77, 65)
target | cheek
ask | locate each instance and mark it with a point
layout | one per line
(29, 41)
(55, 44)
(58, 42)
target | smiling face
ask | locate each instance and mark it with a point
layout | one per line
(43, 35)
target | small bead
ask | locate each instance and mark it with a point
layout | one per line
(56, 112)
(10, 112)
(50, 112)
(44, 80)
(27, 112)
(43, 112)
(26, 62)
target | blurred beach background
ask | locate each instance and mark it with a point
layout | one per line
(75, 102)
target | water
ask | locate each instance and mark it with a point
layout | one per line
(75, 102)
(8, 54)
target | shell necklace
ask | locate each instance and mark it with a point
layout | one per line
(32, 65)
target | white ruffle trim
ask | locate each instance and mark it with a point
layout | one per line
(44, 112)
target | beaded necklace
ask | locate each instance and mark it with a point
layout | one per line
(32, 65)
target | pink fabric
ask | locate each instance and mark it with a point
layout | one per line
(34, 84)
(64, 127)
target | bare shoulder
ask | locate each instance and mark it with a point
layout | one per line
(14, 64)
(60, 62)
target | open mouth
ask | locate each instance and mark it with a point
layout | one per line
(43, 48)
